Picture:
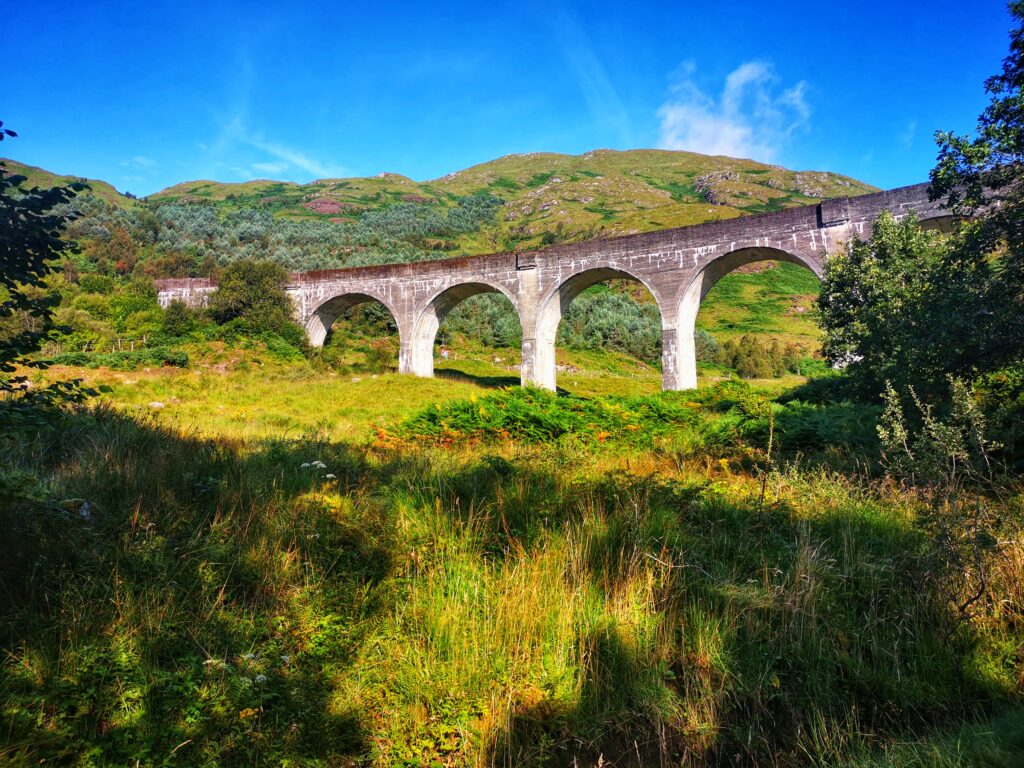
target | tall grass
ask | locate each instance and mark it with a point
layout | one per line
(315, 601)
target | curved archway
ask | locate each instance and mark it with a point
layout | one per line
(694, 292)
(539, 367)
(417, 353)
(380, 352)
(321, 319)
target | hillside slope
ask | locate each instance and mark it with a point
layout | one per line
(550, 197)
(39, 177)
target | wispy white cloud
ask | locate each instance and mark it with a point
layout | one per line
(234, 132)
(599, 92)
(750, 118)
(292, 156)
(139, 162)
(270, 167)
(907, 136)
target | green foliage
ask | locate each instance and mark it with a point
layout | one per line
(753, 358)
(1000, 395)
(126, 360)
(535, 415)
(251, 294)
(487, 318)
(949, 459)
(31, 230)
(891, 309)
(30, 243)
(179, 319)
(96, 283)
(604, 319)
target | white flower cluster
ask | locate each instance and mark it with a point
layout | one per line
(319, 465)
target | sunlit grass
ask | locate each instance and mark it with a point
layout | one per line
(264, 580)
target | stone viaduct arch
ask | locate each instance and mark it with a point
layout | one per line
(693, 293)
(678, 266)
(321, 318)
(553, 305)
(427, 319)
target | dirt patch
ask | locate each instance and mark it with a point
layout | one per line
(800, 305)
(755, 268)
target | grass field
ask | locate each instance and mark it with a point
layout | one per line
(281, 566)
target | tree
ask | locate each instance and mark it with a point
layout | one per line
(30, 244)
(907, 308)
(882, 317)
(982, 177)
(252, 294)
(179, 319)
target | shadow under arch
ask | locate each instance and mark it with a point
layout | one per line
(943, 222)
(552, 308)
(694, 292)
(322, 318)
(418, 351)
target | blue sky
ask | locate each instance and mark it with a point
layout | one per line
(147, 94)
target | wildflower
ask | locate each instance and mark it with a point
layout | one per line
(331, 477)
(248, 656)
(260, 679)
(319, 465)
(305, 465)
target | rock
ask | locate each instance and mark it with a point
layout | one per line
(85, 511)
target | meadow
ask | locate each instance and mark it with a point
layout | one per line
(285, 565)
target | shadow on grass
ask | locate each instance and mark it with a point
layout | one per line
(197, 606)
(213, 593)
(489, 382)
(783, 640)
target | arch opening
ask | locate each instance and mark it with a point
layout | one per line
(750, 313)
(471, 329)
(356, 333)
(606, 310)
(945, 224)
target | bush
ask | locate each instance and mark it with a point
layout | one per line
(93, 283)
(179, 319)
(126, 360)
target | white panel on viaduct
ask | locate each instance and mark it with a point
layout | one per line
(678, 266)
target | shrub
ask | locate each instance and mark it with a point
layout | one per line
(126, 360)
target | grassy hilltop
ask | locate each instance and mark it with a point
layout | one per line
(38, 177)
(549, 195)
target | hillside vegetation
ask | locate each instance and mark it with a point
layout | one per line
(550, 196)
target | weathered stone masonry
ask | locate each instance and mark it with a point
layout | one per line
(678, 266)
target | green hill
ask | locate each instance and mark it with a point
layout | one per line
(38, 177)
(549, 197)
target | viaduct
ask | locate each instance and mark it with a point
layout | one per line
(678, 266)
